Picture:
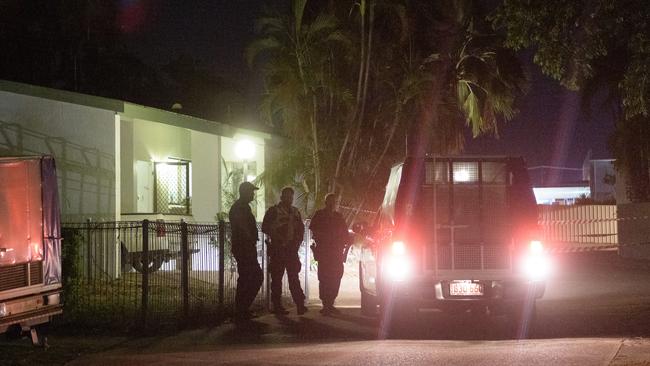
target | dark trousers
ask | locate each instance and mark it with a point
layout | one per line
(249, 281)
(330, 272)
(280, 262)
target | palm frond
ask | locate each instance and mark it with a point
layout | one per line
(298, 7)
(270, 25)
(259, 46)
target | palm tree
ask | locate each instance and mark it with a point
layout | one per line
(353, 107)
(298, 76)
(478, 78)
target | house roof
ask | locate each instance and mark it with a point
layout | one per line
(129, 110)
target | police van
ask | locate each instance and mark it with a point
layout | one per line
(454, 233)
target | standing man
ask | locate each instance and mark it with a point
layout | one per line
(283, 224)
(331, 237)
(244, 249)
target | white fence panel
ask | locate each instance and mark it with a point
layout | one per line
(579, 227)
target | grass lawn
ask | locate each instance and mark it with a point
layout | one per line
(63, 348)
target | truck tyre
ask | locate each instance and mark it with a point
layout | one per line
(368, 302)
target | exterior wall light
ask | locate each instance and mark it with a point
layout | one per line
(244, 149)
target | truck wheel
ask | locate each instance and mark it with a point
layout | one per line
(368, 302)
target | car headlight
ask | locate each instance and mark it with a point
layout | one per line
(536, 264)
(397, 263)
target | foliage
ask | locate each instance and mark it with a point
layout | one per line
(351, 82)
(297, 77)
(584, 200)
(71, 264)
(594, 45)
(229, 190)
(631, 146)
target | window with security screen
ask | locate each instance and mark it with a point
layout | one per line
(437, 172)
(172, 188)
(465, 172)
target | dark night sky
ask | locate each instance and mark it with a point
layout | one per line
(549, 130)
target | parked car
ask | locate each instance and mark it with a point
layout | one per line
(454, 233)
(30, 245)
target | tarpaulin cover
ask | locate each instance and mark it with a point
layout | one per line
(21, 235)
(29, 214)
(51, 222)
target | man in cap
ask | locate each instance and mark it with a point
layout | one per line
(244, 249)
(283, 224)
(332, 237)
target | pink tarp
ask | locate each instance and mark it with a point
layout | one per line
(21, 212)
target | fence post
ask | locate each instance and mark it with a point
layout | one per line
(89, 262)
(267, 272)
(265, 279)
(185, 269)
(145, 272)
(222, 264)
(307, 237)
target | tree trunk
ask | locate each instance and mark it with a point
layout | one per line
(364, 91)
(361, 96)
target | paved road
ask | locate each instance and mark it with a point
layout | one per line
(394, 352)
(596, 312)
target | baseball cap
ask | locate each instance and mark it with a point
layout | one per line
(247, 187)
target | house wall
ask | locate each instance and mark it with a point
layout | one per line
(601, 170)
(158, 142)
(127, 167)
(143, 143)
(82, 141)
(206, 188)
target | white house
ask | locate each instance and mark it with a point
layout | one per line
(122, 161)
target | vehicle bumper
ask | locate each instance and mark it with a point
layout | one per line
(30, 310)
(435, 294)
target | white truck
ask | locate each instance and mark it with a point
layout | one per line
(30, 245)
(457, 234)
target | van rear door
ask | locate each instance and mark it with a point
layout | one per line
(465, 205)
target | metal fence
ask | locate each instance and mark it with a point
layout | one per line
(141, 275)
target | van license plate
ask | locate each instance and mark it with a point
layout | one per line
(465, 289)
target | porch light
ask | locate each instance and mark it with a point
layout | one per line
(245, 149)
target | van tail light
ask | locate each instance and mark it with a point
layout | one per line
(536, 247)
(397, 262)
(536, 264)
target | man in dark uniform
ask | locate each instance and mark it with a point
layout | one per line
(244, 249)
(283, 224)
(331, 237)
